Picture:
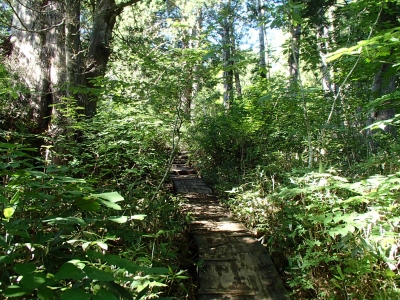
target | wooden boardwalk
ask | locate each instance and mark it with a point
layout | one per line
(235, 265)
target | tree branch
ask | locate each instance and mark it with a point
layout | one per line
(126, 4)
(25, 28)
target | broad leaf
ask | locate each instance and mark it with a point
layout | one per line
(112, 196)
(121, 219)
(15, 291)
(96, 274)
(33, 281)
(75, 294)
(8, 212)
(25, 268)
(69, 271)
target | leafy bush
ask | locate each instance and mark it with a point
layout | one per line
(340, 239)
(59, 240)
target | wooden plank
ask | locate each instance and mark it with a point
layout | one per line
(235, 265)
(226, 292)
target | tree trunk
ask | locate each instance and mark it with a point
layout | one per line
(47, 56)
(384, 83)
(235, 69)
(261, 38)
(105, 15)
(38, 57)
(322, 34)
(197, 82)
(294, 53)
(227, 59)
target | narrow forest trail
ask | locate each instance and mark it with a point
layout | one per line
(235, 265)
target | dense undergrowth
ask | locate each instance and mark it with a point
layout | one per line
(332, 229)
(98, 224)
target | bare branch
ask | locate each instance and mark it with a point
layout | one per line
(25, 28)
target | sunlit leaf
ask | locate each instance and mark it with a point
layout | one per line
(112, 196)
(121, 219)
(138, 217)
(8, 212)
(102, 245)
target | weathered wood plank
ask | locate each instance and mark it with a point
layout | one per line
(235, 266)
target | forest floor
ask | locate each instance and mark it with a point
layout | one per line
(232, 264)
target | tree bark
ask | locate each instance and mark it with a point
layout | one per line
(261, 38)
(322, 35)
(227, 59)
(384, 83)
(38, 58)
(294, 53)
(47, 55)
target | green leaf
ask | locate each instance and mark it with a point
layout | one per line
(68, 179)
(44, 293)
(96, 274)
(3, 199)
(6, 259)
(122, 263)
(138, 217)
(37, 174)
(3, 243)
(67, 221)
(112, 196)
(104, 294)
(339, 269)
(88, 204)
(33, 281)
(15, 291)
(8, 212)
(75, 294)
(390, 273)
(110, 204)
(102, 245)
(95, 255)
(69, 271)
(25, 268)
(120, 220)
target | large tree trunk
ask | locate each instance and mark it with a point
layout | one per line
(105, 15)
(47, 56)
(384, 83)
(38, 57)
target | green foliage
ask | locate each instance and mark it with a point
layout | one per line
(330, 236)
(340, 238)
(56, 231)
(67, 233)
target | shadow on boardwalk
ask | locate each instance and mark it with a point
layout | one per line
(235, 265)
